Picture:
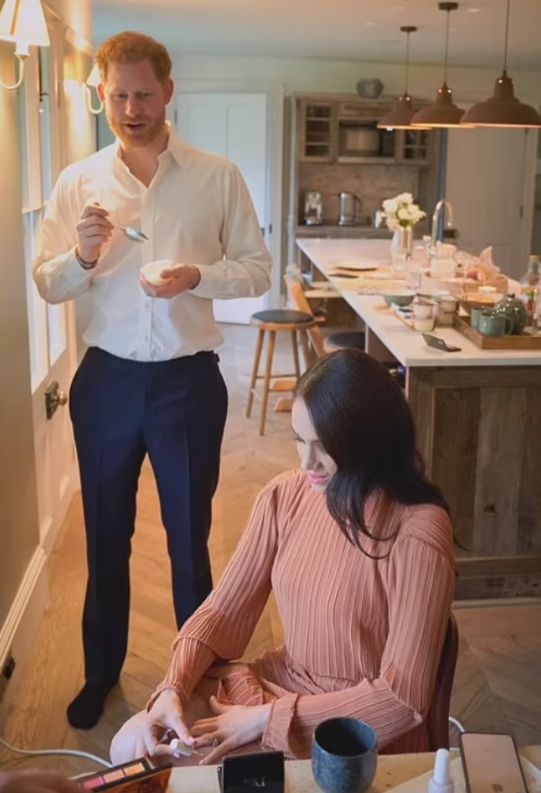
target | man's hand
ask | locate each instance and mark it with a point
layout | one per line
(93, 231)
(180, 278)
(231, 727)
(36, 782)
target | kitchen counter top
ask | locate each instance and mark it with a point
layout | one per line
(407, 345)
(334, 230)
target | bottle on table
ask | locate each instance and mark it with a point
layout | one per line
(530, 288)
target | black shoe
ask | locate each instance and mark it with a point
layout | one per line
(85, 710)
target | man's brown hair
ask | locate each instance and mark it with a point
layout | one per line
(132, 47)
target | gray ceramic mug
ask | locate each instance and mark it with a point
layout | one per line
(344, 755)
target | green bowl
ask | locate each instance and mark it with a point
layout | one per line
(399, 298)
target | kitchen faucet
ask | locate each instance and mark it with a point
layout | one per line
(447, 227)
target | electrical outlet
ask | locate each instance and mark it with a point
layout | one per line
(7, 673)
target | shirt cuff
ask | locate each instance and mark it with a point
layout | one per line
(207, 283)
(74, 273)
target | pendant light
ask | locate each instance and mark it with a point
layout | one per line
(503, 109)
(443, 112)
(402, 112)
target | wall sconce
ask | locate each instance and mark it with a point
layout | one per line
(23, 22)
(92, 81)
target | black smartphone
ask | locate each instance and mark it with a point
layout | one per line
(439, 344)
(491, 763)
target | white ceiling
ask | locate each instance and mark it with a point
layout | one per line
(343, 29)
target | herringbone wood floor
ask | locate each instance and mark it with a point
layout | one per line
(498, 678)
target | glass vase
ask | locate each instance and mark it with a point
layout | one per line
(402, 242)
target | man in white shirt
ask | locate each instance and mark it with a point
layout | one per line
(149, 382)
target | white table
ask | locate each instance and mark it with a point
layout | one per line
(392, 770)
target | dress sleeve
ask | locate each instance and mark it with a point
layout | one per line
(245, 268)
(420, 591)
(223, 625)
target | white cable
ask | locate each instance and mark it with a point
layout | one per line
(460, 727)
(46, 752)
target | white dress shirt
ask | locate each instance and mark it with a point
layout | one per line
(197, 210)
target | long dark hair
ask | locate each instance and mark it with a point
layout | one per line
(364, 423)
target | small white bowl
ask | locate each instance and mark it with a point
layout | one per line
(152, 271)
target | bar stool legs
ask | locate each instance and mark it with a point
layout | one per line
(277, 321)
(255, 371)
(266, 382)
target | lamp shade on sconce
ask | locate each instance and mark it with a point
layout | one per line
(93, 79)
(23, 22)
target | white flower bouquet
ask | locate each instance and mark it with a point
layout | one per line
(401, 212)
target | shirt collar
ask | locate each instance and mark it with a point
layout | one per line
(175, 147)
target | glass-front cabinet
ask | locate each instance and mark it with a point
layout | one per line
(347, 132)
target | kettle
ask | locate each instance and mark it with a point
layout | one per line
(349, 204)
(512, 307)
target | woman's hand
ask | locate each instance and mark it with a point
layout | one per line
(231, 727)
(143, 733)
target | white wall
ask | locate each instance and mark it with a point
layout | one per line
(303, 74)
(19, 529)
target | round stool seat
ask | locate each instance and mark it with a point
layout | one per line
(281, 316)
(340, 341)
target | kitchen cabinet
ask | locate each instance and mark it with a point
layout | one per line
(317, 138)
(346, 132)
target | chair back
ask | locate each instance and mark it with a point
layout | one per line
(438, 716)
(298, 298)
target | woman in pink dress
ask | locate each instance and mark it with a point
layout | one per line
(357, 547)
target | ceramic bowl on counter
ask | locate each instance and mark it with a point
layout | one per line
(399, 298)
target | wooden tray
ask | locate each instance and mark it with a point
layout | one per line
(523, 341)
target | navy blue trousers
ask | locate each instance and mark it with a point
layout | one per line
(121, 410)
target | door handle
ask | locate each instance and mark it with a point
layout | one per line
(54, 398)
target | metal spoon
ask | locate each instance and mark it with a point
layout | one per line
(136, 235)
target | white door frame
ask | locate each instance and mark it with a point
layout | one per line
(275, 133)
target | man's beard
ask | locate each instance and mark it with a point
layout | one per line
(151, 132)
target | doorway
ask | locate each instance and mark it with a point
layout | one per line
(233, 125)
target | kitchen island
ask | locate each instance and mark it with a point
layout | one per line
(478, 420)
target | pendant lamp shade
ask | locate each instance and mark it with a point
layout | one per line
(402, 112)
(442, 112)
(502, 109)
(400, 116)
(23, 22)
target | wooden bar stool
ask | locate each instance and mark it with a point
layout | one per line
(277, 321)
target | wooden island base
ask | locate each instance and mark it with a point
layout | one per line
(479, 431)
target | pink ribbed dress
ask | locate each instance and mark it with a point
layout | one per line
(363, 637)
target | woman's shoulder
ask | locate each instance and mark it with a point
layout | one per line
(286, 485)
(429, 524)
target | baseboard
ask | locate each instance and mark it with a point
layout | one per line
(19, 630)
(491, 602)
